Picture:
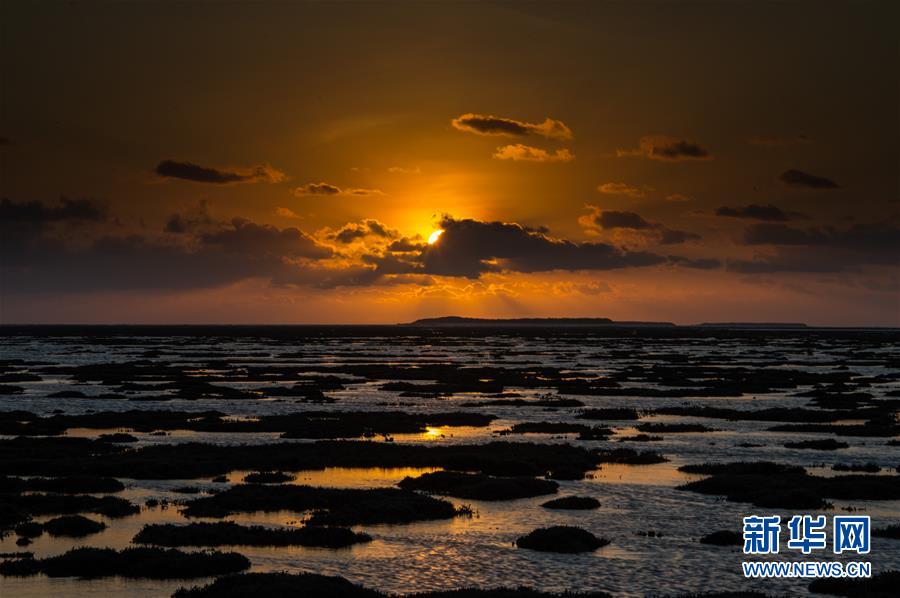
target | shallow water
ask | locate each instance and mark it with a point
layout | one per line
(479, 550)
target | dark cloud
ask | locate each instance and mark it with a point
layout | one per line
(519, 152)
(481, 124)
(821, 249)
(669, 236)
(612, 219)
(777, 140)
(622, 189)
(191, 219)
(469, 248)
(202, 174)
(758, 212)
(406, 245)
(329, 189)
(235, 251)
(872, 237)
(667, 149)
(38, 213)
(699, 264)
(25, 226)
(250, 238)
(317, 189)
(367, 228)
(798, 178)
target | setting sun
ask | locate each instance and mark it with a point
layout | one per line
(433, 237)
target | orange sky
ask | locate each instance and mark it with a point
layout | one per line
(285, 162)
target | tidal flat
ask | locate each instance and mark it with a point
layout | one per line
(146, 461)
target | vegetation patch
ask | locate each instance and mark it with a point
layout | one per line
(609, 413)
(54, 504)
(268, 477)
(883, 427)
(742, 468)
(330, 506)
(191, 460)
(479, 486)
(890, 531)
(150, 563)
(286, 585)
(64, 485)
(278, 585)
(828, 444)
(227, 533)
(667, 428)
(118, 437)
(775, 486)
(723, 538)
(858, 467)
(641, 438)
(561, 538)
(575, 503)
(629, 456)
(880, 585)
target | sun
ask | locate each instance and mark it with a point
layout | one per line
(433, 237)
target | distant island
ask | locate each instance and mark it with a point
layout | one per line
(753, 325)
(461, 321)
(450, 321)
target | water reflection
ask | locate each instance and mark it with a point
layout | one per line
(478, 550)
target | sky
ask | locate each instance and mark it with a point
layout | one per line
(293, 162)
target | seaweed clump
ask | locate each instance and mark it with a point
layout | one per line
(330, 506)
(575, 503)
(827, 444)
(62, 485)
(889, 531)
(73, 526)
(723, 537)
(278, 585)
(629, 456)
(772, 485)
(561, 538)
(880, 585)
(286, 585)
(268, 477)
(150, 563)
(228, 533)
(479, 486)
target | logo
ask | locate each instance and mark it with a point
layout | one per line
(806, 535)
